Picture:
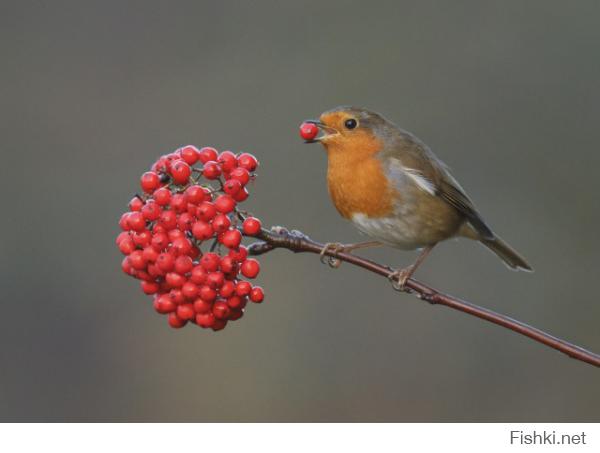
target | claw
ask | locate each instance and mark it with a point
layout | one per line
(334, 247)
(399, 278)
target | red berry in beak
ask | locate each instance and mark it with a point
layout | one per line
(308, 131)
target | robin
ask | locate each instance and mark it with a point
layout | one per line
(394, 189)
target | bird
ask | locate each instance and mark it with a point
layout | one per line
(395, 190)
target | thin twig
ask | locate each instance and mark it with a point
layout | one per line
(298, 242)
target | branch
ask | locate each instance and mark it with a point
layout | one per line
(298, 242)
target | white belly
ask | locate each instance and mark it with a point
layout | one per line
(393, 231)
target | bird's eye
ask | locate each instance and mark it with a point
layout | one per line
(350, 124)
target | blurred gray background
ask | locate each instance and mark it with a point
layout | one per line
(506, 93)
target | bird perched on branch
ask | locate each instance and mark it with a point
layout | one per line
(393, 188)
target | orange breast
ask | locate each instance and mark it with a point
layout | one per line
(356, 181)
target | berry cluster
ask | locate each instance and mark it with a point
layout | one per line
(166, 229)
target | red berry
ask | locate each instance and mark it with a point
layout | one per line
(308, 131)
(160, 241)
(123, 222)
(221, 223)
(207, 293)
(136, 221)
(195, 194)
(175, 280)
(162, 196)
(142, 238)
(207, 154)
(160, 165)
(215, 279)
(228, 289)
(227, 160)
(172, 157)
(247, 161)
(183, 264)
(157, 229)
(241, 196)
(122, 235)
(126, 267)
(186, 311)
(149, 287)
(153, 270)
(194, 252)
(250, 268)
(240, 174)
(251, 226)
(243, 288)
(202, 230)
(178, 202)
(192, 209)
(236, 314)
(239, 255)
(175, 234)
(163, 304)
(189, 154)
(219, 324)
(206, 211)
(221, 310)
(224, 204)
(202, 306)
(210, 262)
(231, 239)
(126, 245)
(136, 204)
(177, 296)
(182, 246)
(180, 171)
(205, 319)
(190, 290)
(228, 265)
(175, 321)
(150, 254)
(232, 186)
(150, 181)
(143, 275)
(184, 222)
(212, 170)
(236, 302)
(257, 295)
(136, 260)
(151, 211)
(168, 219)
(198, 275)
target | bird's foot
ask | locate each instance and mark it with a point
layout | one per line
(334, 247)
(399, 277)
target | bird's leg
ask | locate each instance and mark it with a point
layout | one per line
(401, 276)
(337, 247)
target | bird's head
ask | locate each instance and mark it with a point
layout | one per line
(351, 129)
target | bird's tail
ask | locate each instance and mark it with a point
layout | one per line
(507, 254)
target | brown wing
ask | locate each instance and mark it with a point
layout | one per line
(415, 155)
(451, 192)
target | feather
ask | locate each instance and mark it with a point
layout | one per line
(420, 180)
(407, 154)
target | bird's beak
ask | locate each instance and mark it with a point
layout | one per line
(326, 130)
